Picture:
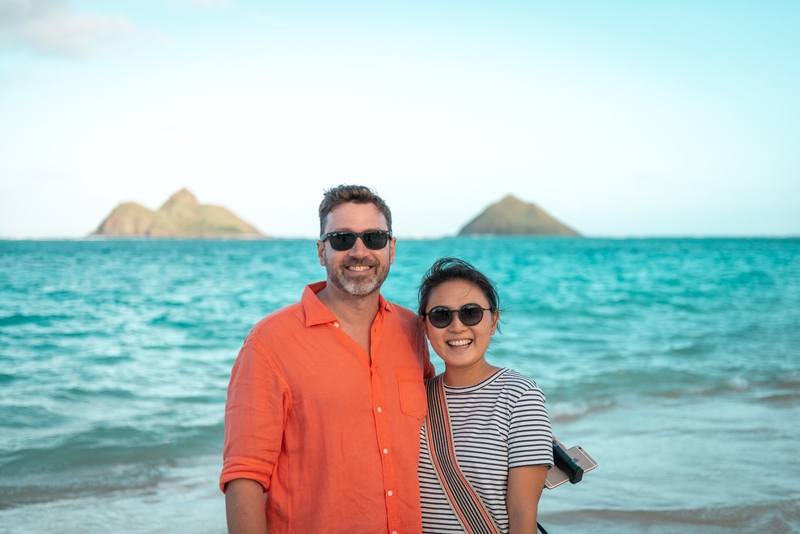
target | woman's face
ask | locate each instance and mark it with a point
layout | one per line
(458, 345)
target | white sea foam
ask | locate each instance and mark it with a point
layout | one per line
(737, 383)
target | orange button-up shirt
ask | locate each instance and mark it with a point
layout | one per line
(330, 433)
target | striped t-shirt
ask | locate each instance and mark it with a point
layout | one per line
(497, 424)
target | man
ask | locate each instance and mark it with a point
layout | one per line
(326, 398)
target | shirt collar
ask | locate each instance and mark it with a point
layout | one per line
(317, 313)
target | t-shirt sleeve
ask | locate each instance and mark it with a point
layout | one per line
(258, 401)
(530, 439)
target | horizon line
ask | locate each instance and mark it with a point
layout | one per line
(100, 238)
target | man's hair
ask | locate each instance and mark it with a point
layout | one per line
(358, 194)
(449, 269)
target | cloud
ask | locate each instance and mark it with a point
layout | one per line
(51, 27)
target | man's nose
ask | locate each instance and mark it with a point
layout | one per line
(359, 249)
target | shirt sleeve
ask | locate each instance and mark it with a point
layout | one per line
(530, 439)
(428, 370)
(258, 401)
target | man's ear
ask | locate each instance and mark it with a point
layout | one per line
(392, 243)
(321, 252)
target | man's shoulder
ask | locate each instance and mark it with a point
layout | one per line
(286, 317)
(402, 312)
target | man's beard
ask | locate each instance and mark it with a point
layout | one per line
(361, 287)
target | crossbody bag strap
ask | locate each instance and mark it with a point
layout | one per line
(464, 500)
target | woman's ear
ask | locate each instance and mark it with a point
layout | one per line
(495, 319)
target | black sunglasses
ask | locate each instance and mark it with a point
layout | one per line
(372, 239)
(468, 314)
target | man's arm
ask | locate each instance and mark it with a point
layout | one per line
(254, 415)
(525, 485)
(244, 506)
(428, 370)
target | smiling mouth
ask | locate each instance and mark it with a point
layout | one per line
(358, 268)
(460, 343)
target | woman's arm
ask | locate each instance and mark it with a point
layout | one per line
(525, 485)
(244, 503)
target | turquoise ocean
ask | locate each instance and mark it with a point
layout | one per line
(674, 362)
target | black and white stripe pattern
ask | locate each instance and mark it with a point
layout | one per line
(497, 424)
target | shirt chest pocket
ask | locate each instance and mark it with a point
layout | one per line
(413, 401)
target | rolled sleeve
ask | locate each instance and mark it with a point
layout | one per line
(255, 415)
(530, 440)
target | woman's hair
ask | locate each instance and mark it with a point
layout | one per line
(449, 269)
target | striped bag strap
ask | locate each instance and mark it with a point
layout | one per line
(464, 500)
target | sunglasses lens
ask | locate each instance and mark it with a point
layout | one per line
(342, 241)
(374, 240)
(347, 240)
(470, 314)
(440, 317)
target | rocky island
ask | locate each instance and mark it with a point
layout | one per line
(512, 216)
(180, 216)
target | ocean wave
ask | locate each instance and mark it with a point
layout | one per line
(110, 447)
(78, 392)
(166, 320)
(791, 380)
(561, 412)
(20, 417)
(781, 398)
(35, 488)
(737, 383)
(691, 348)
(7, 378)
(775, 516)
(112, 360)
(18, 319)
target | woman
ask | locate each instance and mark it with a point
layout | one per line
(486, 444)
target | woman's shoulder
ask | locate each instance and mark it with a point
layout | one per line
(512, 388)
(515, 378)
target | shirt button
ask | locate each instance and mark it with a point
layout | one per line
(379, 408)
(385, 451)
(336, 325)
(389, 493)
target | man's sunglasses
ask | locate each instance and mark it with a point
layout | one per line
(468, 314)
(372, 239)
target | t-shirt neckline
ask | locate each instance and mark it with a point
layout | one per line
(474, 387)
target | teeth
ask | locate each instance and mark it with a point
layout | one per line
(459, 342)
(358, 268)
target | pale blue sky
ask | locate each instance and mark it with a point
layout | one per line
(619, 118)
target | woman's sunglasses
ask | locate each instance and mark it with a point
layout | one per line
(372, 239)
(468, 314)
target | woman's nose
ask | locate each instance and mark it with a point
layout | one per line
(456, 325)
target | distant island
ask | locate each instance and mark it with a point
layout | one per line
(180, 216)
(512, 216)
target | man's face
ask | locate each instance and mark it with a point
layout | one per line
(359, 271)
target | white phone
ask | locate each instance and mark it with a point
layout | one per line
(556, 477)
